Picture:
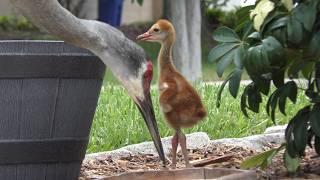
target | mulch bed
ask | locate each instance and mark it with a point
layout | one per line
(212, 156)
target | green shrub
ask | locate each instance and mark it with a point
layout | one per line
(218, 16)
(13, 23)
(275, 40)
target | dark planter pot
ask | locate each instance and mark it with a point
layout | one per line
(48, 95)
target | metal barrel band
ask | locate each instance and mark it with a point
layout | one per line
(42, 151)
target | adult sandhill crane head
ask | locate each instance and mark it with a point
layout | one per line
(124, 58)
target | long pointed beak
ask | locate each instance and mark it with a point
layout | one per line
(146, 108)
(145, 36)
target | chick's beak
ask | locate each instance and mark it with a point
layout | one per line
(145, 36)
(146, 108)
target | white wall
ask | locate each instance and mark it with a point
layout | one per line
(132, 12)
(91, 9)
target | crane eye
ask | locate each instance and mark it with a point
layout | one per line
(156, 30)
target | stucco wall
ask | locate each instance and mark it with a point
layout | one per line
(90, 10)
(132, 12)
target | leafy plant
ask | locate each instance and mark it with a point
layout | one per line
(215, 3)
(274, 40)
(140, 2)
(218, 16)
(75, 7)
(11, 23)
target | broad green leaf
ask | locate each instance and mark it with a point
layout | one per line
(220, 50)
(255, 35)
(282, 103)
(268, 161)
(225, 34)
(260, 12)
(259, 159)
(279, 97)
(273, 105)
(295, 31)
(224, 62)
(234, 82)
(300, 133)
(315, 44)
(307, 69)
(315, 120)
(292, 164)
(272, 17)
(279, 23)
(280, 34)
(244, 29)
(288, 4)
(256, 61)
(239, 56)
(273, 47)
(293, 91)
(289, 138)
(268, 105)
(263, 84)
(294, 133)
(305, 15)
(221, 89)
(278, 78)
(243, 100)
(254, 99)
(317, 144)
(244, 12)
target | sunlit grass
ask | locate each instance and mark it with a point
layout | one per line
(118, 122)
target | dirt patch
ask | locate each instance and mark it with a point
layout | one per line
(213, 156)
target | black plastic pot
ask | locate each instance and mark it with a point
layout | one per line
(48, 95)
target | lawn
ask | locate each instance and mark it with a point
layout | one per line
(118, 122)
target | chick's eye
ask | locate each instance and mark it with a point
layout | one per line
(156, 30)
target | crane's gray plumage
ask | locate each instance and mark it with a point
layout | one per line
(102, 39)
(122, 56)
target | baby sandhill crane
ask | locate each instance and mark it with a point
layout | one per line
(179, 101)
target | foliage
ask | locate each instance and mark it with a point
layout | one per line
(11, 23)
(140, 2)
(75, 7)
(271, 43)
(116, 127)
(215, 3)
(218, 16)
(263, 159)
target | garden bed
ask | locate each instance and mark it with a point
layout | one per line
(212, 156)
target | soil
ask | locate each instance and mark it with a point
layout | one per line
(212, 156)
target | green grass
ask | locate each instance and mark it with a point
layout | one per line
(118, 122)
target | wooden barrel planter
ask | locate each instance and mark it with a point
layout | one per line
(48, 95)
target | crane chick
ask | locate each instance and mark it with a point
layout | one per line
(179, 101)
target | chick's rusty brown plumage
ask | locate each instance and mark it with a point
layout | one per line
(179, 101)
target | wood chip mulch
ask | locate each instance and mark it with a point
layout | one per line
(212, 156)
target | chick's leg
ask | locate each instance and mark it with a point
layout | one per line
(174, 144)
(183, 145)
